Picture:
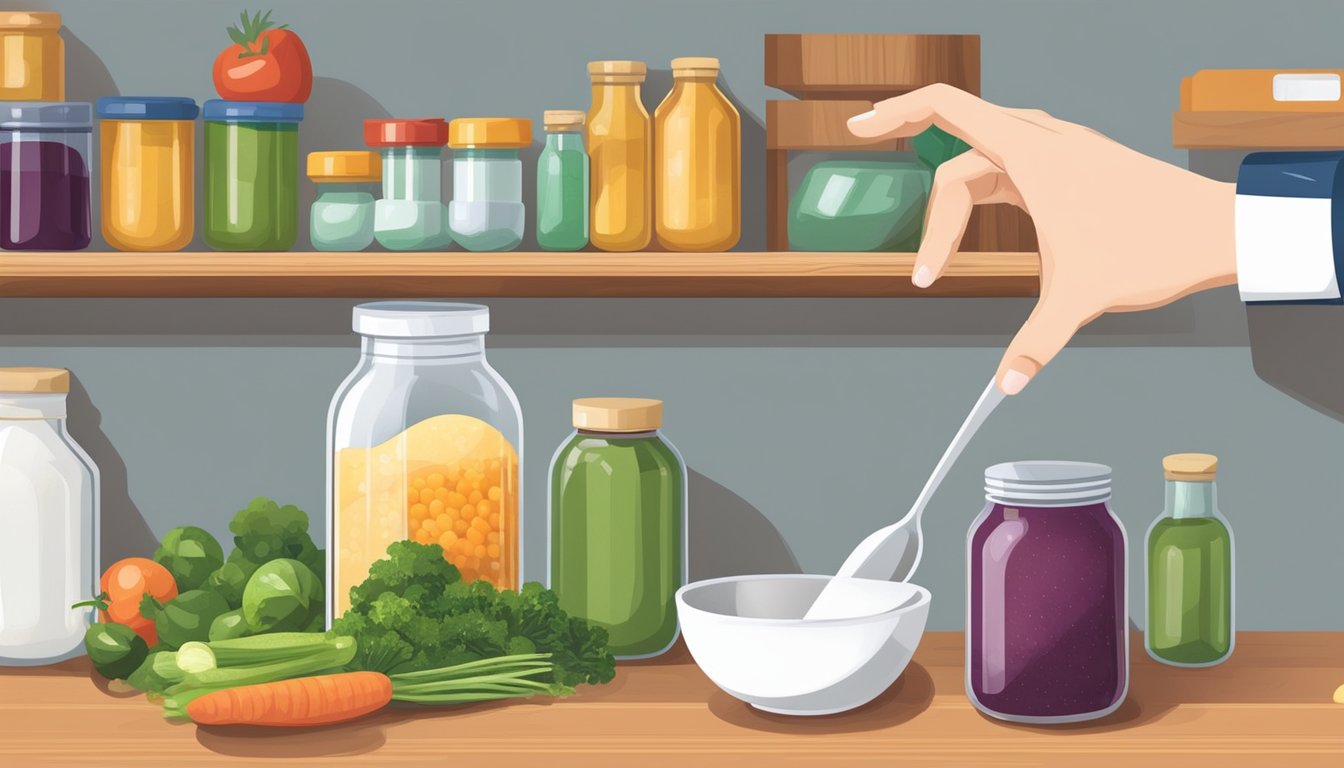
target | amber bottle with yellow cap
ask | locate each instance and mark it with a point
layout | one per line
(1191, 600)
(618, 524)
(620, 148)
(49, 502)
(697, 162)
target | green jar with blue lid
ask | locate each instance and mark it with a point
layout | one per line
(251, 175)
(618, 524)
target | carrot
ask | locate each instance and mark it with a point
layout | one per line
(299, 702)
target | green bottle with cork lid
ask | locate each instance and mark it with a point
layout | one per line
(1191, 600)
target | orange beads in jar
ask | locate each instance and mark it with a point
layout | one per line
(423, 441)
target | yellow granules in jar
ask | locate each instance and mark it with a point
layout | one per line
(450, 480)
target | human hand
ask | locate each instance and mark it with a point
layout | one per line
(1118, 231)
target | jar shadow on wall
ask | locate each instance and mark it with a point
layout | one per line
(728, 536)
(87, 79)
(123, 530)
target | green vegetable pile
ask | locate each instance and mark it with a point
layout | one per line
(414, 612)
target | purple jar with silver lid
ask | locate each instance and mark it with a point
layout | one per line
(44, 175)
(1047, 610)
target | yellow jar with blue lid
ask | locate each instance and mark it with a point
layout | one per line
(147, 146)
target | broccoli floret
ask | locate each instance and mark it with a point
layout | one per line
(265, 531)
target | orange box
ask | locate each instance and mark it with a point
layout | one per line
(1263, 90)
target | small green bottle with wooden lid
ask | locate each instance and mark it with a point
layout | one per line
(1191, 601)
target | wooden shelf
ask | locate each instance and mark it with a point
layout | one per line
(1267, 705)
(1257, 130)
(455, 273)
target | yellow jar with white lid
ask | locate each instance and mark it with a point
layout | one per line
(424, 444)
(148, 148)
(32, 56)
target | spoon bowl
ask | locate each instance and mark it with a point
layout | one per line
(748, 634)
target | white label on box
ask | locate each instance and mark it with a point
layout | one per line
(1306, 87)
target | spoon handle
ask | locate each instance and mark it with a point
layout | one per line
(989, 400)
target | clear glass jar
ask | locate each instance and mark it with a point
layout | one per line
(562, 183)
(620, 143)
(49, 494)
(487, 212)
(251, 175)
(44, 176)
(697, 137)
(618, 524)
(411, 215)
(32, 57)
(1047, 609)
(342, 215)
(425, 442)
(1189, 559)
(148, 151)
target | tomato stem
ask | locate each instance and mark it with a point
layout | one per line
(99, 602)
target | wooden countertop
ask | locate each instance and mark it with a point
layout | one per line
(1269, 705)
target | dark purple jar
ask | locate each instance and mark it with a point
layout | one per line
(44, 176)
(1047, 611)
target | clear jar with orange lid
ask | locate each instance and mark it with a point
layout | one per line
(620, 151)
(32, 57)
(487, 213)
(697, 162)
(342, 214)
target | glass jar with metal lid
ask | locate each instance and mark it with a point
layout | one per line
(32, 56)
(342, 215)
(411, 215)
(1047, 613)
(251, 175)
(618, 523)
(486, 213)
(44, 175)
(148, 151)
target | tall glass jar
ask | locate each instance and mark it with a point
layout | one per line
(148, 151)
(487, 212)
(620, 144)
(32, 56)
(697, 162)
(49, 498)
(1189, 557)
(562, 183)
(425, 443)
(251, 175)
(342, 215)
(1047, 610)
(45, 150)
(618, 524)
(411, 215)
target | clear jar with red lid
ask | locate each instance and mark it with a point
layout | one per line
(1047, 609)
(411, 215)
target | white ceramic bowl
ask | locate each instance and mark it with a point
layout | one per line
(748, 635)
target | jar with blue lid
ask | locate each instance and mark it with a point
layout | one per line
(251, 175)
(147, 150)
(44, 175)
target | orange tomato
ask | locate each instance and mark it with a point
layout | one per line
(124, 585)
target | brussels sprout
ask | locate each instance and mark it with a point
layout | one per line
(227, 626)
(282, 596)
(185, 618)
(191, 554)
(230, 579)
(115, 650)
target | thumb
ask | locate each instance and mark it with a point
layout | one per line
(1044, 334)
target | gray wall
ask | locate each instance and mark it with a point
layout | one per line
(807, 423)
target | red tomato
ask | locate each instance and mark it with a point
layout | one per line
(125, 583)
(264, 64)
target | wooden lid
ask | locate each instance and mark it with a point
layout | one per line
(629, 72)
(695, 66)
(1190, 467)
(29, 20)
(618, 414)
(34, 380)
(563, 119)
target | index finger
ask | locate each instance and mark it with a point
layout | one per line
(988, 128)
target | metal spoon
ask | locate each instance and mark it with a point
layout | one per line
(892, 553)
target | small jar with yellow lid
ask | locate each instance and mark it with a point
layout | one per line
(148, 149)
(342, 214)
(32, 57)
(487, 213)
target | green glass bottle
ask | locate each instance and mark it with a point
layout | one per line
(1190, 569)
(562, 184)
(618, 524)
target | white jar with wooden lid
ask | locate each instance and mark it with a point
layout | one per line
(49, 502)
